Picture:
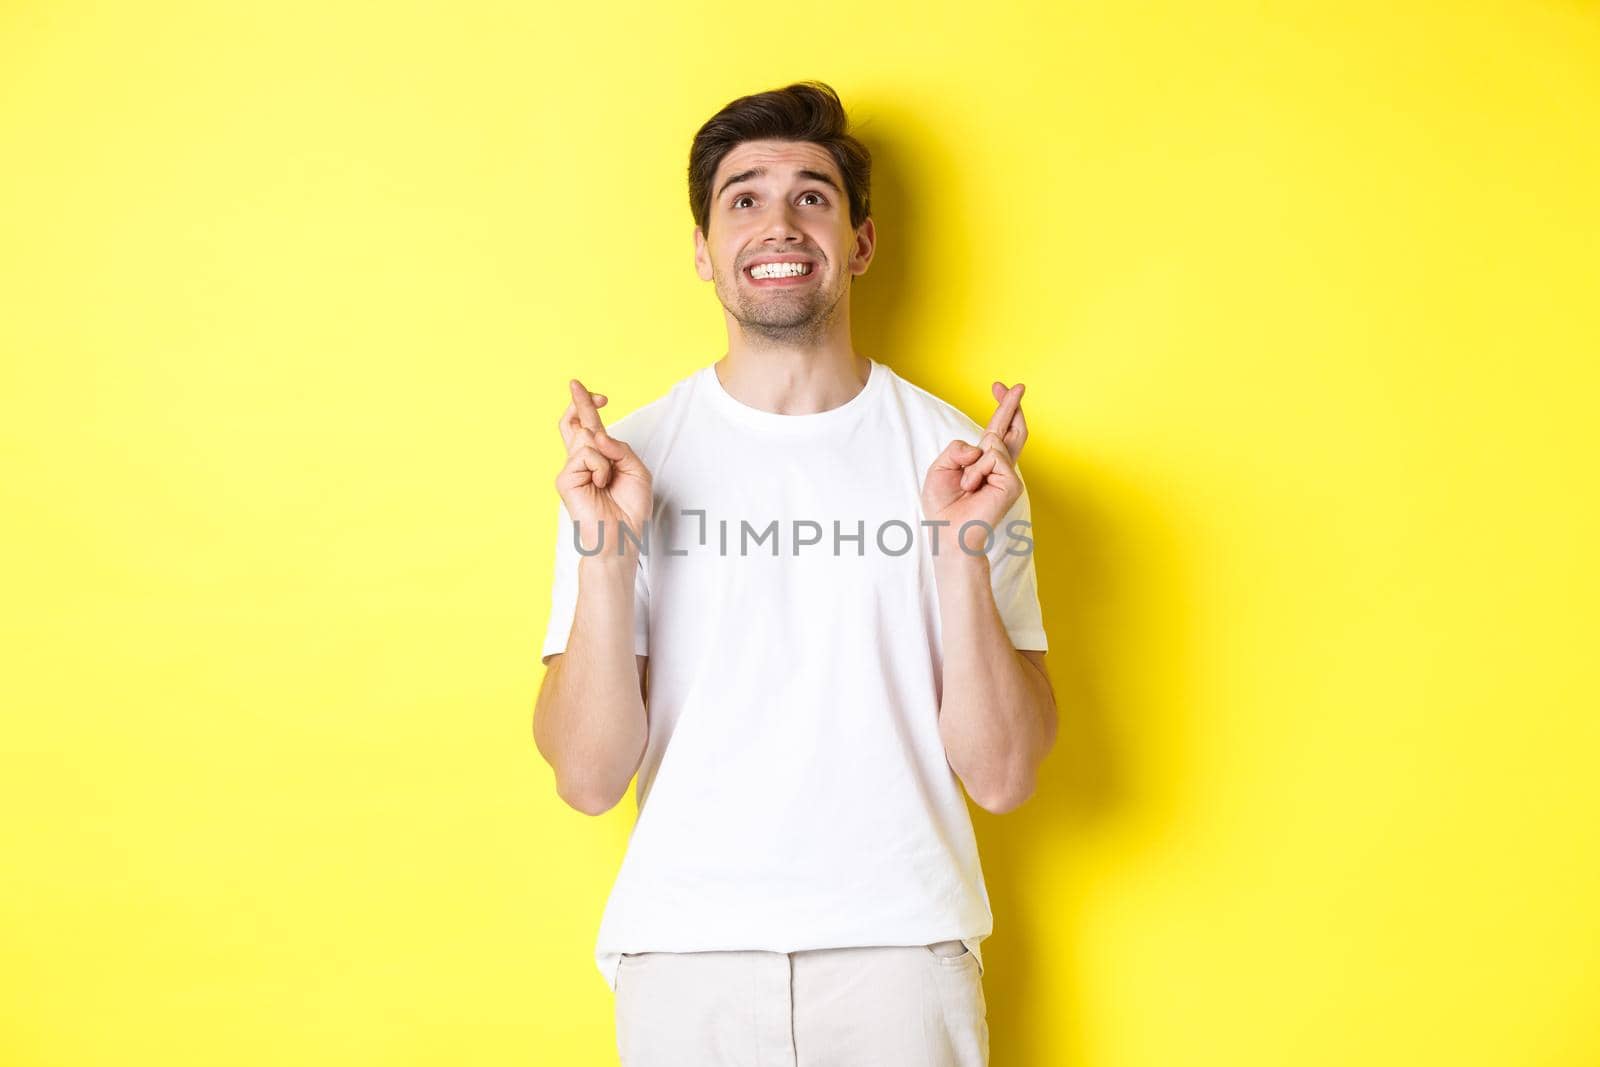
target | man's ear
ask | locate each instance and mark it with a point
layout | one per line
(702, 256)
(866, 245)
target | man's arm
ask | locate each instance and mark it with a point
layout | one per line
(997, 714)
(589, 721)
(997, 711)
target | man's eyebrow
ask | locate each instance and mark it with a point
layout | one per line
(756, 172)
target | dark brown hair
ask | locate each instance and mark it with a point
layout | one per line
(804, 111)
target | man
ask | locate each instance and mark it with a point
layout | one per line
(798, 543)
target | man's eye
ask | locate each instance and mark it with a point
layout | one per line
(746, 196)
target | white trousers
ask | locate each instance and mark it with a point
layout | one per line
(883, 1006)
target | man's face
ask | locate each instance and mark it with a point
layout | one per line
(781, 201)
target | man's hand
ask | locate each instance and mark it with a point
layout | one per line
(979, 482)
(603, 480)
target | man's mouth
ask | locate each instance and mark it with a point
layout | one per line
(780, 272)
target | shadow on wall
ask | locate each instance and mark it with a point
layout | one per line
(893, 292)
(1091, 591)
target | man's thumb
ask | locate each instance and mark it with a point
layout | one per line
(616, 451)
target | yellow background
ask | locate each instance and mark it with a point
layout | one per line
(1305, 297)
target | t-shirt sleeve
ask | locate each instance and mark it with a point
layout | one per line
(564, 595)
(1013, 579)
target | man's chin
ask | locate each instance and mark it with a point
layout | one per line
(775, 318)
(787, 329)
(781, 326)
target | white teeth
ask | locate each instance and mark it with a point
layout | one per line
(779, 270)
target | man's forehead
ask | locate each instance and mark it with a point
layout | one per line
(778, 157)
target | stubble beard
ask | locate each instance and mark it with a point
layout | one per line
(784, 318)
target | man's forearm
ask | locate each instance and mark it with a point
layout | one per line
(589, 721)
(997, 713)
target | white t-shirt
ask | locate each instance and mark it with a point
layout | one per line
(794, 792)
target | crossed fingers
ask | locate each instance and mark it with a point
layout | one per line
(1007, 423)
(581, 421)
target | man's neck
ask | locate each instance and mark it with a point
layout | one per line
(793, 381)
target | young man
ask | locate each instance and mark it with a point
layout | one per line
(829, 573)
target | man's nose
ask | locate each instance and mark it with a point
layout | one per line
(779, 225)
